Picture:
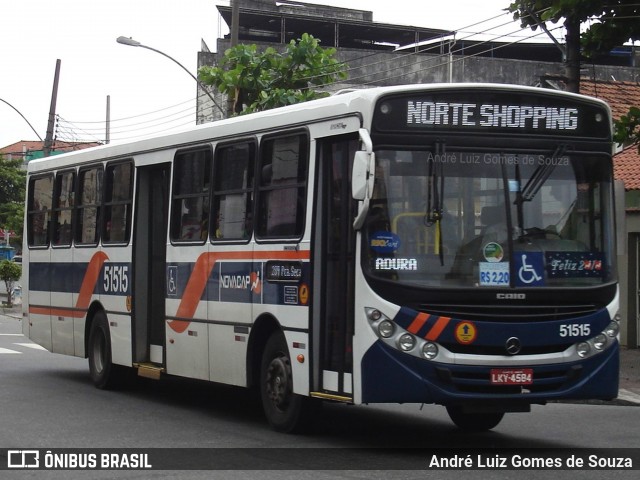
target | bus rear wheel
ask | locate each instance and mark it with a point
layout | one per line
(474, 422)
(283, 408)
(103, 373)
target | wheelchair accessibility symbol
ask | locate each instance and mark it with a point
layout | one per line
(530, 268)
(172, 280)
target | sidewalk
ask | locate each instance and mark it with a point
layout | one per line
(628, 393)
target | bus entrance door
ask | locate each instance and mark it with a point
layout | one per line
(334, 253)
(149, 257)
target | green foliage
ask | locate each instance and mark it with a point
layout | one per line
(627, 127)
(260, 80)
(12, 191)
(611, 23)
(10, 272)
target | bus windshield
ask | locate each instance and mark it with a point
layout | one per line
(489, 219)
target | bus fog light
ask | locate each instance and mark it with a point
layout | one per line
(429, 350)
(600, 341)
(406, 342)
(612, 329)
(375, 315)
(583, 349)
(385, 328)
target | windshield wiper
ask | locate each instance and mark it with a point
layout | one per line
(539, 177)
(435, 197)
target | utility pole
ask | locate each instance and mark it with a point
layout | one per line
(235, 26)
(48, 139)
(107, 128)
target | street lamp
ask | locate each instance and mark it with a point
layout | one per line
(134, 43)
(23, 117)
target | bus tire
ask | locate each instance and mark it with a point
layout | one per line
(285, 411)
(474, 422)
(103, 373)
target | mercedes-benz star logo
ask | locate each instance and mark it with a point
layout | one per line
(513, 346)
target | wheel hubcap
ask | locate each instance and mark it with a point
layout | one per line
(278, 382)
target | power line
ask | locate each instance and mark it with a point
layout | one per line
(128, 128)
(140, 115)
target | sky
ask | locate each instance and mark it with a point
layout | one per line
(147, 92)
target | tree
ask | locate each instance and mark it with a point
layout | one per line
(12, 191)
(627, 128)
(10, 273)
(610, 24)
(260, 80)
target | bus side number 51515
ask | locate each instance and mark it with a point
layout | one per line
(116, 278)
(575, 330)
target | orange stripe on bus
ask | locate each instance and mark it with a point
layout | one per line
(418, 323)
(57, 312)
(90, 279)
(202, 271)
(437, 329)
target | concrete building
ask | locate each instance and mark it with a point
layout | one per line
(384, 54)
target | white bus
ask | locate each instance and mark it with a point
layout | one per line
(448, 244)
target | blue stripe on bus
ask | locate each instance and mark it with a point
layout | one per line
(239, 282)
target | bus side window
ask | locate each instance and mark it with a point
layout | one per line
(63, 208)
(117, 203)
(282, 192)
(88, 205)
(190, 203)
(39, 210)
(233, 192)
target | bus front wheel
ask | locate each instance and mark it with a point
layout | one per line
(283, 408)
(102, 371)
(474, 422)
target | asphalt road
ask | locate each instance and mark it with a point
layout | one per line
(48, 402)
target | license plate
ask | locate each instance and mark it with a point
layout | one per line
(509, 376)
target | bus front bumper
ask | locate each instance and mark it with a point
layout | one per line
(389, 376)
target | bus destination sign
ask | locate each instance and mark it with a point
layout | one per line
(499, 112)
(491, 115)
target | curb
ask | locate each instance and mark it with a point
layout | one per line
(627, 397)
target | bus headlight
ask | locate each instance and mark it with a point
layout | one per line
(600, 341)
(612, 329)
(406, 342)
(385, 328)
(429, 351)
(583, 349)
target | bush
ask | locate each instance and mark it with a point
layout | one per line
(10, 272)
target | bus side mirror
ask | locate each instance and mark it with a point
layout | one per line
(359, 175)
(362, 177)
